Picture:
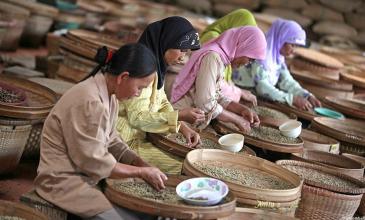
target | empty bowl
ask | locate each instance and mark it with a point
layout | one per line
(202, 191)
(291, 128)
(329, 113)
(231, 142)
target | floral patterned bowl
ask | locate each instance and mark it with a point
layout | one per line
(202, 191)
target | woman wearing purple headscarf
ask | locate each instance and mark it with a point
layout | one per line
(271, 78)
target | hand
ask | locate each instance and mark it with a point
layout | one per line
(248, 96)
(302, 103)
(314, 101)
(191, 115)
(192, 137)
(242, 124)
(250, 116)
(153, 176)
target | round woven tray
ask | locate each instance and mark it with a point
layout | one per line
(245, 194)
(271, 118)
(58, 86)
(21, 98)
(288, 109)
(321, 92)
(36, 8)
(256, 214)
(360, 186)
(335, 162)
(179, 211)
(316, 141)
(318, 57)
(308, 77)
(315, 69)
(171, 146)
(349, 107)
(355, 77)
(18, 210)
(348, 130)
(222, 128)
(40, 100)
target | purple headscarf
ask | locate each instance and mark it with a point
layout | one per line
(281, 32)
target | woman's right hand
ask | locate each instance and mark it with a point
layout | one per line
(249, 97)
(153, 176)
(192, 115)
(302, 103)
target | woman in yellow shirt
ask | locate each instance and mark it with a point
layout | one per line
(169, 39)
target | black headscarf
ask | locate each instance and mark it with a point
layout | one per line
(170, 33)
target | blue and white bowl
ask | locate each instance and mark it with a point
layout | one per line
(202, 191)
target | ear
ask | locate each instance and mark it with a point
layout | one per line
(121, 77)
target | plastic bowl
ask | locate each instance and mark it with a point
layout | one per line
(202, 191)
(291, 128)
(329, 113)
(231, 142)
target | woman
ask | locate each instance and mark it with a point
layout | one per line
(169, 39)
(199, 82)
(271, 78)
(237, 18)
(80, 146)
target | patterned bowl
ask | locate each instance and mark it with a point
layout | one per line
(202, 191)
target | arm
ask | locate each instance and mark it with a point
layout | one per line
(289, 84)
(206, 86)
(265, 89)
(139, 115)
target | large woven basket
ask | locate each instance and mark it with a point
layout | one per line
(13, 137)
(33, 200)
(337, 163)
(13, 209)
(248, 213)
(36, 30)
(281, 201)
(316, 141)
(32, 147)
(289, 14)
(14, 18)
(323, 201)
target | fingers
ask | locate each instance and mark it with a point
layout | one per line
(249, 116)
(196, 140)
(254, 100)
(256, 120)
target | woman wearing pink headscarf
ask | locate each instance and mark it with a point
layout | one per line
(199, 82)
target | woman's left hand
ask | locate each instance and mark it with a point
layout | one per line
(314, 101)
(192, 137)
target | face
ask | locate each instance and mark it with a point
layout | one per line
(174, 56)
(240, 61)
(127, 87)
(287, 49)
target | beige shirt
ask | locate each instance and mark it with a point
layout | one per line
(206, 90)
(79, 147)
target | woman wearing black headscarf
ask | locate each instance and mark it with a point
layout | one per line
(169, 39)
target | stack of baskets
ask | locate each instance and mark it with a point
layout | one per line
(20, 130)
(326, 194)
(38, 24)
(13, 19)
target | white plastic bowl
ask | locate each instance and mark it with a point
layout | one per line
(202, 191)
(291, 128)
(231, 142)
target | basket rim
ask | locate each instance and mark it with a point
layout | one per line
(326, 170)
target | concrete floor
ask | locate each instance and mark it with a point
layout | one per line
(12, 186)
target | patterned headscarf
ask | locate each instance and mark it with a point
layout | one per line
(237, 18)
(281, 32)
(170, 33)
(234, 43)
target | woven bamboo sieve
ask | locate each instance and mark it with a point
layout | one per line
(316, 141)
(179, 211)
(338, 163)
(13, 209)
(281, 201)
(32, 147)
(323, 201)
(13, 137)
(33, 200)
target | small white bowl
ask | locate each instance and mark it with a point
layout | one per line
(231, 142)
(291, 128)
(202, 191)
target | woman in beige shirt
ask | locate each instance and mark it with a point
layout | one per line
(199, 83)
(79, 145)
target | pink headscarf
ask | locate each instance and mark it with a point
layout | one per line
(246, 41)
